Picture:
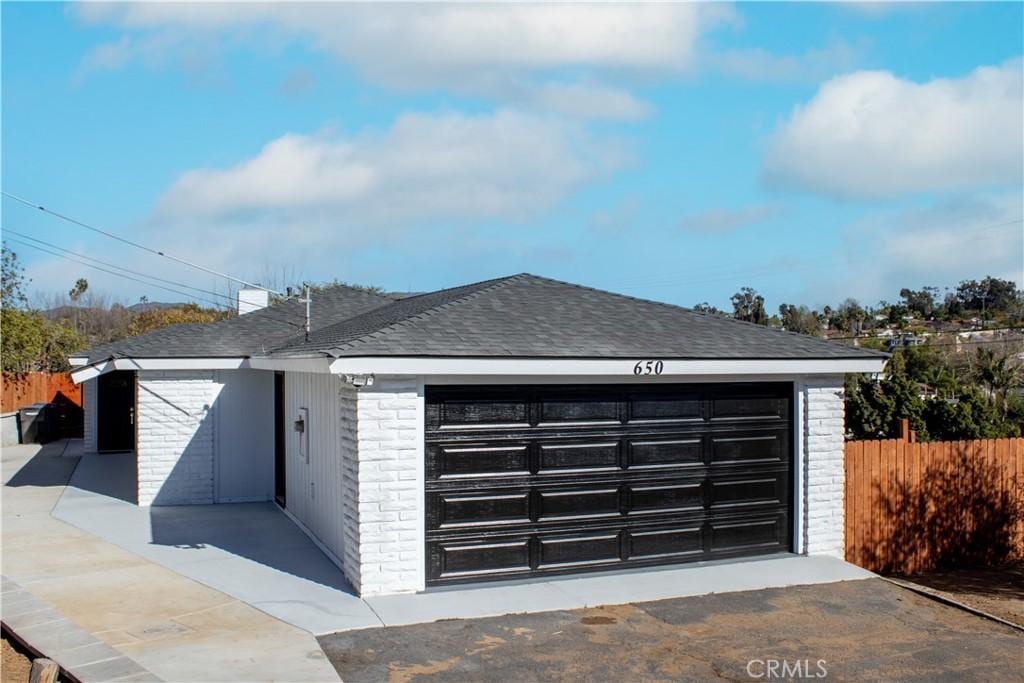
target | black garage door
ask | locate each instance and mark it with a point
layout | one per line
(534, 480)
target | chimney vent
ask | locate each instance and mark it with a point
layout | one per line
(250, 300)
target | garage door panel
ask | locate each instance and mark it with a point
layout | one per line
(455, 559)
(750, 447)
(650, 453)
(481, 459)
(665, 407)
(578, 550)
(663, 498)
(767, 489)
(537, 480)
(666, 543)
(454, 413)
(588, 455)
(578, 503)
(746, 406)
(575, 410)
(462, 510)
(731, 536)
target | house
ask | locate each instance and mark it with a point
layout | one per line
(508, 429)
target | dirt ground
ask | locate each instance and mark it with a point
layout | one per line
(855, 630)
(996, 591)
(16, 666)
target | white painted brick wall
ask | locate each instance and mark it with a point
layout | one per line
(175, 437)
(90, 395)
(387, 538)
(823, 469)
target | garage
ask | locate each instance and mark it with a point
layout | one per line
(525, 481)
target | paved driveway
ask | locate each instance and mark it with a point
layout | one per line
(861, 630)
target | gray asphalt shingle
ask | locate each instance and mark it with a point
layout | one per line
(521, 316)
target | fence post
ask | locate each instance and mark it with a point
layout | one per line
(906, 433)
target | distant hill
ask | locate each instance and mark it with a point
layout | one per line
(64, 312)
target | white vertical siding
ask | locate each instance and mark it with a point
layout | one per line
(90, 401)
(316, 459)
(244, 457)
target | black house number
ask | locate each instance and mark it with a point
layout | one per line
(648, 367)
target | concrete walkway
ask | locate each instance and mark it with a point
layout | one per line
(250, 551)
(171, 626)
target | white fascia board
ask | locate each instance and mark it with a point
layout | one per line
(96, 369)
(307, 364)
(77, 361)
(605, 368)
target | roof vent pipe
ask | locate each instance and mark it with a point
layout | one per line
(250, 300)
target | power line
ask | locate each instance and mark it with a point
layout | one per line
(112, 272)
(135, 244)
(114, 265)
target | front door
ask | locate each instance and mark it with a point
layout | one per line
(115, 415)
(279, 436)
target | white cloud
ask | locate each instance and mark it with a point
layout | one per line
(728, 220)
(480, 49)
(870, 134)
(939, 245)
(504, 165)
(814, 65)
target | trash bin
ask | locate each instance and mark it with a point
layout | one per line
(30, 420)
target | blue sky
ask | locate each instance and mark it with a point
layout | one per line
(673, 152)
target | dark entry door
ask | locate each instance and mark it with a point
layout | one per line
(536, 480)
(280, 465)
(115, 415)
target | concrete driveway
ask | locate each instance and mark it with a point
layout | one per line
(860, 630)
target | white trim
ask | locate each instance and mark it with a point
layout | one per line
(619, 369)
(77, 361)
(316, 364)
(102, 367)
(799, 509)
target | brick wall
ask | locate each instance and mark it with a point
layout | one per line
(823, 471)
(90, 395)
(175, 437)
(388, 532)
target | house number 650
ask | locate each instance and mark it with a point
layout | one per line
(648, 367)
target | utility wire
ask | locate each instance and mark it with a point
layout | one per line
(114, 265)
(113, 272)
(136, 244)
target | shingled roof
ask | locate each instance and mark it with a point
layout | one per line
(527, 316)
(521, 316)
(252, 334)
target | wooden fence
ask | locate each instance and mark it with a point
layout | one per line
(913, 507)
(24, 389)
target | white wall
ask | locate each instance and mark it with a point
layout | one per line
(823, 467)
(316, 460)
(90, 395)
(244, 426)
(175, 443)
(390, 525)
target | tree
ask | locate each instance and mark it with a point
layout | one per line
(79, 289)
(922, 302)
(157, 318)
(990, 295)
(748, 305)
(27, 340)
(705, 307)
(12, 293)
(799, 319)
(998, 375)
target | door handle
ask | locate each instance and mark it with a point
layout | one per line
(131, 416)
